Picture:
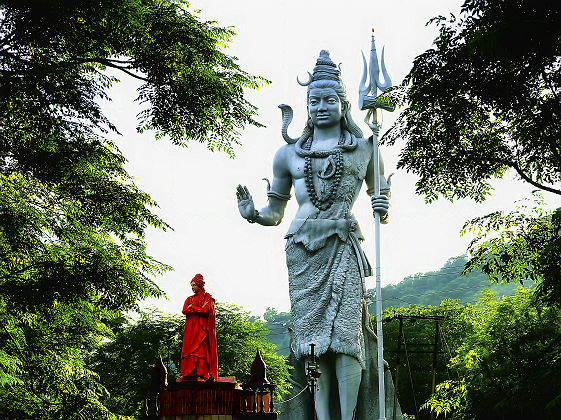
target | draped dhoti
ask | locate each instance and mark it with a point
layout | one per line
(326, 268)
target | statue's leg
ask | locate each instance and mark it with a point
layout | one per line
(349, 375)
(324, 384)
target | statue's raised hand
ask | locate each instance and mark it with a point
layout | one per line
(245, 203)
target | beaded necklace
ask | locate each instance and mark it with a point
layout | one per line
(335, 163)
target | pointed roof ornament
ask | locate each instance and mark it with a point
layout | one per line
(258, 372)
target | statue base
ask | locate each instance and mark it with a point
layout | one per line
(219, 400)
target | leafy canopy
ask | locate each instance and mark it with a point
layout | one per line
(497, 358)
(414, 381)
(72, 220)
(520, 246)
(484, 99)
(53, 54)
(507, 362)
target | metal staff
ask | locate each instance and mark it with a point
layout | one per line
(371, 103)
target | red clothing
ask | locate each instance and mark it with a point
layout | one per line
(198, 353)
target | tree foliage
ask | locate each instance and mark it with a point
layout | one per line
(53, 54)
(508, 362)
(519, 246)
(278, 323)
(63, 276)
(240, 336)
(498, 358)
(72, 220)
(485, 99)
(418, 335)
(124, 363)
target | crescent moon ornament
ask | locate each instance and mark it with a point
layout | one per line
(305, 83)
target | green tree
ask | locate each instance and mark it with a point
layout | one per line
(62, 280)
(483, 100)
(125, 363)
(498, 358)
(522, 246)
(72, 221)
(508, 362)
(239, 336)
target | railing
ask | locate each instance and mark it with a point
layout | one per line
(257, 398)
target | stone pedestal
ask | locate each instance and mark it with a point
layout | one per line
(221, 400)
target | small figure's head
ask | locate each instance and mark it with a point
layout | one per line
(197, 284)
(327, 97)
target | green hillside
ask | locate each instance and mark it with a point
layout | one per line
(431, 288)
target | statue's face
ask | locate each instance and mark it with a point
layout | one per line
(324, 107)
(196, 289)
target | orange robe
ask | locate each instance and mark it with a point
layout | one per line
(198, 353)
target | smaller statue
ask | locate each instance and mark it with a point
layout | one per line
(198, 353)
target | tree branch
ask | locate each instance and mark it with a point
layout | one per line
(528, 179)
(112, 63)
(17, 272)
(114, 60)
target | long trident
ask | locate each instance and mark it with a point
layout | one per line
(371, 103)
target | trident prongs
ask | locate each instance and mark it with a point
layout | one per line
(374, 84)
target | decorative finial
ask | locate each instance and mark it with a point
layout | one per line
(258, 372)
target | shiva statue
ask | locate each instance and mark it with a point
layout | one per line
(327, 166)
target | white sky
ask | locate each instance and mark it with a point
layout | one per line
(195, 189)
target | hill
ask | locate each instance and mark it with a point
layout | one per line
(431, 288)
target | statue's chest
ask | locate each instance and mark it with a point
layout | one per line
(331, 182)
(344, 165)
(197, 300)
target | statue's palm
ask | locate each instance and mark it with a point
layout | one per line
(245, 202)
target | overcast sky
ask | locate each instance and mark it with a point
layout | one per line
(195, 189)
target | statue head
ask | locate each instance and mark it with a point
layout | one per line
(324, 107)
(197, 284)
(326, 75)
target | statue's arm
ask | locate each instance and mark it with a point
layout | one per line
(385, 184)
(187, 307)
(200, 310)
(278, 194)
(380, 203)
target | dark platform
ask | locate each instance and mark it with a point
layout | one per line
(224, 398)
